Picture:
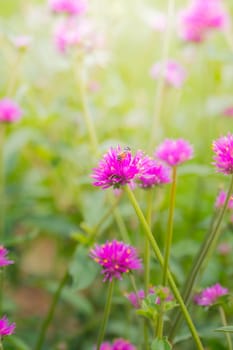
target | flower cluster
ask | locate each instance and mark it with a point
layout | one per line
(135, 299)
(223, 149)
(70, 7)
(152, 173)
(9, 111)
(118, 344)
(173, 73)
(4, 261)
(6, 328)
(116, 258)
(174, 152)
(201, 17)
(210, 295)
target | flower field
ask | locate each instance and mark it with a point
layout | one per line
(116, 175)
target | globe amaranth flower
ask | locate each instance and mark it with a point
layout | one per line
(174, 152)
(201, 17)
(210, 295)
(9, 111)
(117, 168)
(4, 261)
(106, 346)
(152, 173)
(122, 344)
(5, 327)
(220, 200)
(223, 149)
(173, 73)
(116, 258)
(71, 7)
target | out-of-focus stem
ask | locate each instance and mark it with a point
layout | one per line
(2, 181)
(224, 323)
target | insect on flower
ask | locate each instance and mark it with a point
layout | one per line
(122, 155)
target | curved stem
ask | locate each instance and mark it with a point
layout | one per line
(224, 323)
(160, 259)
(106, 315)
(49, 316)
(207, 246)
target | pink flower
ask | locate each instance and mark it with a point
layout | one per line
(9, 111)
(224, 248)
(3, 257)
(223, 149)
(122, 344)
(174, 152)
(200, 17)
(172, 71)
(117, 167)
(135, 299)
(106, 346)
(228, 112)
(116, 258)
(71, 7)
(152, 173)
(220, 200)
(5, 327)
(210, 295)
(156, 20)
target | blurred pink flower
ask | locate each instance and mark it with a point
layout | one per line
(135, 299)
(200, 17)
(210, 295)
(22, 42)
(152, 173)
(228, 112)
(223, 149)
(157, 20)
(220, 200)
(224, 248)
(5, 327)
(3, 257)
(116, 258)
(122, 344)
(71, 7)
(172, 71)
(174, 152)
(9, 111)
(106, 346)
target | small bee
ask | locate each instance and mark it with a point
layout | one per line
(122, 155)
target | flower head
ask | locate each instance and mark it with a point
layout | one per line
(9, 111)
(210, 295)
(223, 149)
(172, 71)
(174, 152)
(117, 167)
(71, 7)
(152, 173)
(122, 344)
(106, 346)
(5, 327)
(161, 292)
(3, 257)
(116, 258)
(200, 17)
(220, 200)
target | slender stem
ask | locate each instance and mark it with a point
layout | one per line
(2, 181)
(207, 246)
(160, 259)
(1, 345)
(106, 314)
(224, 323)
(132, 279)
(170, 226)
(50, 314)
(160, 82)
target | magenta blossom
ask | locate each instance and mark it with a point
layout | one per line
(174, 152)
(201, 17)
(9, 111)
(221, 198)
(122, 344)
(152, 173)
(210, 295)
(116, 258)
(106, 346)
(4, 261)
(118, 167)
(135, 299)
(228, 112)
(173, 73)
(223, 149)
(71, 7)
(5, 327)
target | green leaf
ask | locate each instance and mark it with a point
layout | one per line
(227, 329)
(161, 344)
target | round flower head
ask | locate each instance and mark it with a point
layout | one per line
(9, 111)
(5, 327)
(174, 152)
(220, 200)
(152, 173)
(3, 257)
(173, 72)
(71, 7)
(223, 149)
(118, 167)
(122, 344)
(106, 346)
(210, 295)
(116, 258)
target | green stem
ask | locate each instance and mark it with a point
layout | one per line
(160, 259)
(170, 226)
(106, 314)
(1, 345)
(132, 279)
(2, 181)
(224, 323)
(161, 82)
(50, 314)
(207, 246)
